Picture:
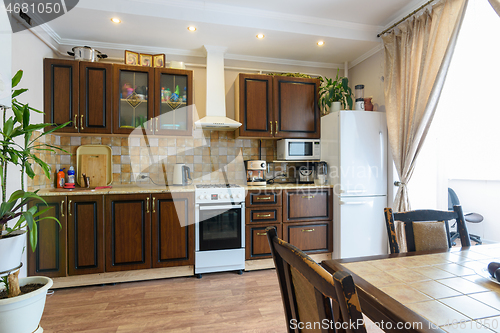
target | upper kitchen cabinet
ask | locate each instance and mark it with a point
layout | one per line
(296, 111)
(79, 92)
(96, 88)
(173, 95)
(253, 105)
(133, 98)
(61, 93)
(277, 106)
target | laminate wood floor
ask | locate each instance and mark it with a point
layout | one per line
(220, 302)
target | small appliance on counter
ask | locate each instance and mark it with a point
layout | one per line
(321, 173)
(256, 172)
(306, 174)
(181, 174)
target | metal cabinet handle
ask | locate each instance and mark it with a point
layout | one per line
(62, 208)
(264, 215)
(147, 205)
(276, 130)
(81, 122)
(261, 233)
(154, 199)
(271, 124)
(307, 230)
(76, 122)
(308, 197)
(69, 208)
(263, 198)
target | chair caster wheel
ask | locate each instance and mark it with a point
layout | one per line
(198, 276)
(240, 272)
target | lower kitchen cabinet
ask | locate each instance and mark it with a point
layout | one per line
(49, 258)
(310, 237)
(307, 205)
(85, 215)
(127, 232)
(172, 229)
(256, 243)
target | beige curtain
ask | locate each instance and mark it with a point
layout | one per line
(417, 56)
(496, 5)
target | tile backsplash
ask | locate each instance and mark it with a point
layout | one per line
(151, 159)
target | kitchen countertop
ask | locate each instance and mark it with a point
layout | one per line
(131, 189)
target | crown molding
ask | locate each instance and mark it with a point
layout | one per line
(279, 61)
(367, 55)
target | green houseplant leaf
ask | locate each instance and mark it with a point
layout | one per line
(337, 90)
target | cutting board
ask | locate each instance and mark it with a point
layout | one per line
(94, 166)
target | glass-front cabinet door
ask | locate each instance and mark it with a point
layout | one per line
(173, 109)
(133, 86)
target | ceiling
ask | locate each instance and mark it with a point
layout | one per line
(291, 28)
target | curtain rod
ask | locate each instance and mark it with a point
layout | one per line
(406, 17)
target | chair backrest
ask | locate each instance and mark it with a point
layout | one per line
(452, 199)
(311, 296)
(426, 229)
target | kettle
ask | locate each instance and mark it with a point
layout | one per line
(181, 174)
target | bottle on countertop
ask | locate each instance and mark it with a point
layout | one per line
(71, 175)
(60, 178)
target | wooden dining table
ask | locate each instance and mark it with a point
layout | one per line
(432, 291)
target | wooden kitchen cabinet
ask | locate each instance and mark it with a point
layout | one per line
(173, 116)
(258, 198)
(85, 215)
(296, 111)
(49, 258)
(133, 98)
(79, 92)
(310, 237)
(172, 229)
(96, 95)
(307, 204)
(256, 243)
(253, 105)
(127, 232)
(61, 93)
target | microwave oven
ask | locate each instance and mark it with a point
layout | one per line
(298, 149)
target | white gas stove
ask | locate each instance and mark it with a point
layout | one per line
(219, 228)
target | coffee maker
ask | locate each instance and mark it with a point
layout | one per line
(256, 170)
(306, 173)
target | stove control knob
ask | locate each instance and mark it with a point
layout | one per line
(226, 196)
(200, 197)
(232, 196)
(205, 197)
(238, 196)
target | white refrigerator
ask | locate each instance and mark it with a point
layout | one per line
(354, 144)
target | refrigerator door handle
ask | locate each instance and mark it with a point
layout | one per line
(354, 202)
(353, 191)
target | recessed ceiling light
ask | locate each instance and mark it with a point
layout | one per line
(116, 20)
(192, 28)
(260, 36)
(321, 43)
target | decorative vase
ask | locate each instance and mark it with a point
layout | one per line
(368, 104)
(23, 313)
(335, 106)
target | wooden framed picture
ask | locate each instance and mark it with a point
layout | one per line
(146, 60)
(159, 60)
(131, 58)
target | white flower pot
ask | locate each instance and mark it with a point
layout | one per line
(11, 250)
(335, 107)
(22, 314)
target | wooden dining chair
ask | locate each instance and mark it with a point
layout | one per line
(312, 295)
(426, 229)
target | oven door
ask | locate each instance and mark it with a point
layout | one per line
(219, 227)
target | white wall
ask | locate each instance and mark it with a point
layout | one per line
(370, 72)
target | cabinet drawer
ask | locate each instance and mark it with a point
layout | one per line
(310, 237)
(257, 245)
(263, 215)
(263, 198)
(300, 205)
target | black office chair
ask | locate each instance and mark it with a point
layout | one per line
(469, 217)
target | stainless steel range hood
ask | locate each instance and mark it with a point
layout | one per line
(216, 93)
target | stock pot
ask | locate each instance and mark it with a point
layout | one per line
(86, 53)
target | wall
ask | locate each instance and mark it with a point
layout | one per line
(370, 72)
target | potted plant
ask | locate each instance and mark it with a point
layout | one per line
(18, 147)
(333, 93)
